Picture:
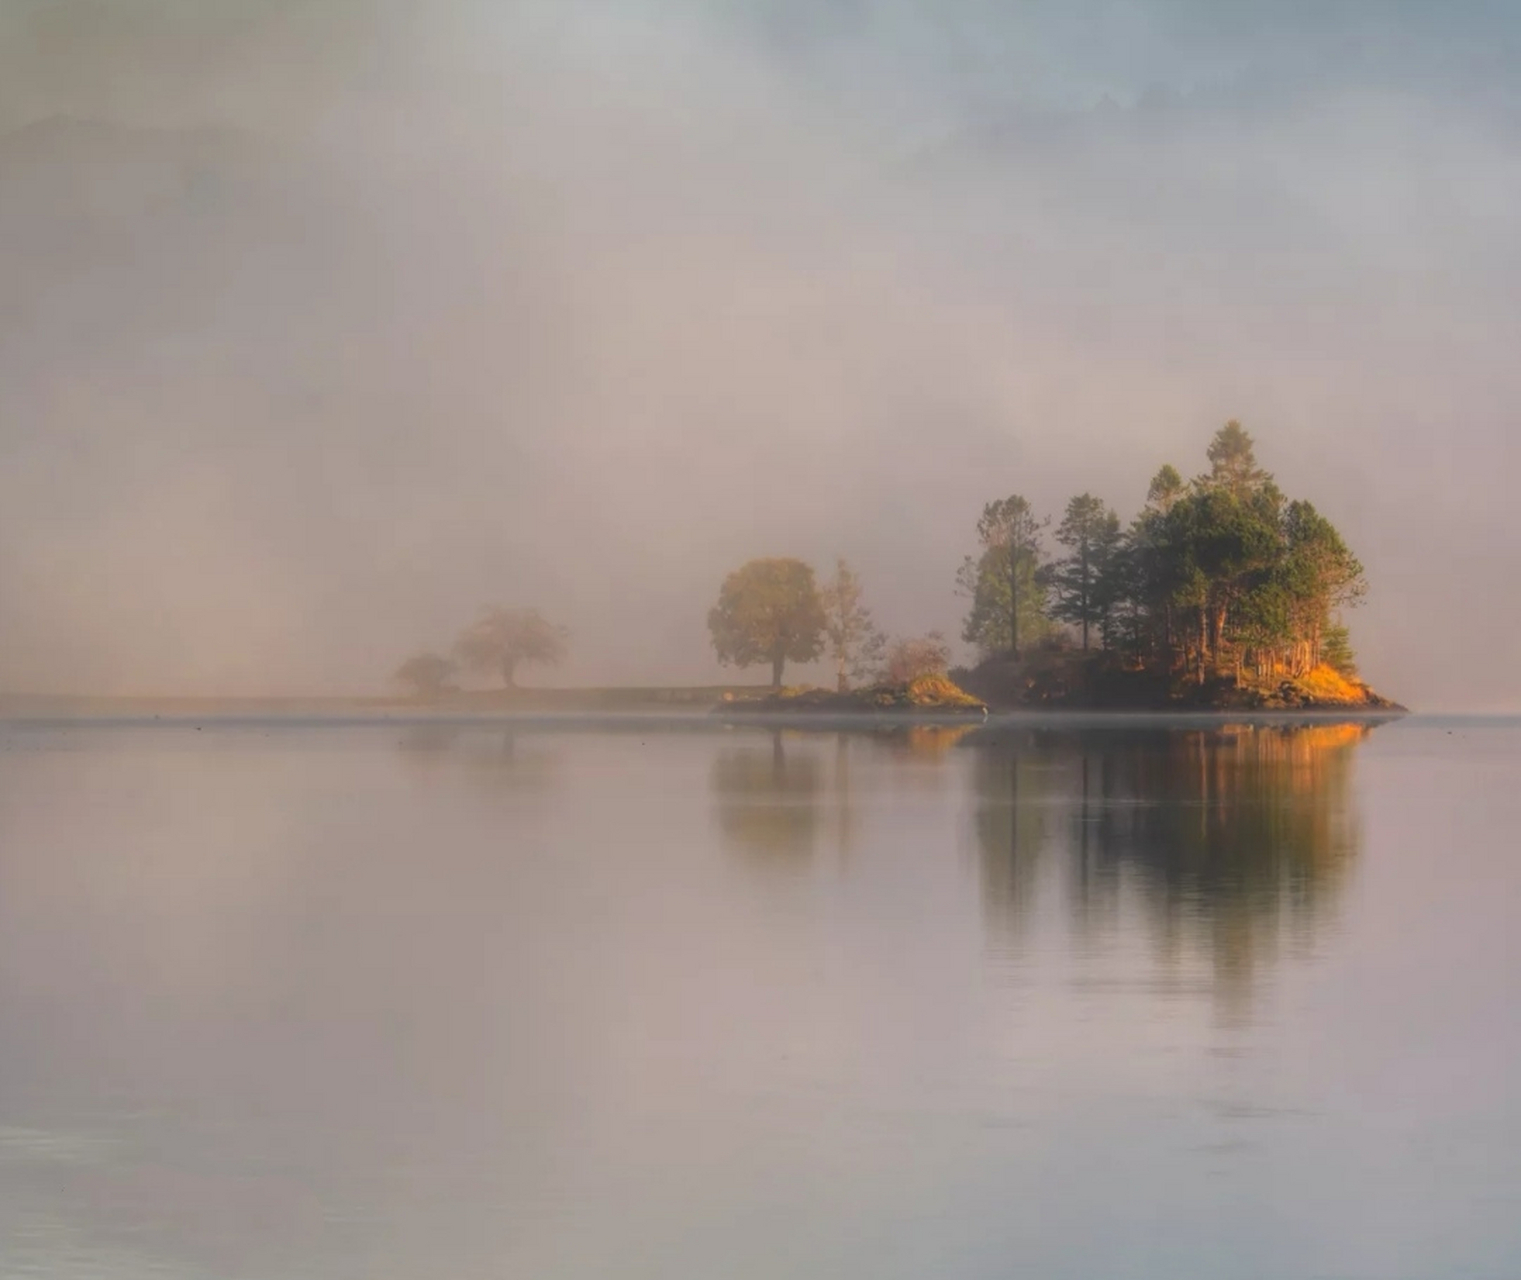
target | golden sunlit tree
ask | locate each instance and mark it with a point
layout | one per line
(768, 611)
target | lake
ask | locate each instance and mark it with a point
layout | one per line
(560, 999)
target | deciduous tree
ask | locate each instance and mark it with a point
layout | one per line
(768, 610)
(427, 675)
(1005, 578)
(855, 642)
(501, 640)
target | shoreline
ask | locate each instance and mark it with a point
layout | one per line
(250, 713)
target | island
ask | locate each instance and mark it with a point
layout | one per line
(1220, 594)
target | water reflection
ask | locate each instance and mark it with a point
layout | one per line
(768, 795)
(315, 1004)
(775, 794)
(492, 759)
(1231, 836)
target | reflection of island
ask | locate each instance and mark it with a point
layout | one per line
(1225, 835)
(768, 796)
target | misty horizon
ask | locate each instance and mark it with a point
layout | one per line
(328, 326)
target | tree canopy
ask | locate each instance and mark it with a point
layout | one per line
(768, 611)
(855, 642)
(427, 675)
(1005, 583)
(1084, 580)
(1216, 574)
(501, 640)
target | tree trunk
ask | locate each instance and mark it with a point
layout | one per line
(777, 662)
(842, 680)
(509, 672)
(1087, 599)
(1013, 603)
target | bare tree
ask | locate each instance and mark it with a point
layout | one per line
(855, 641)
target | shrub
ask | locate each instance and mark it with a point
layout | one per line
(910, 658)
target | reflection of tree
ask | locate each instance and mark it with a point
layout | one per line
(768, 797)
(492, 758)
(1009, 776)
(1226, 834)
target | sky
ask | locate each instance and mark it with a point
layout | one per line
(325, 324)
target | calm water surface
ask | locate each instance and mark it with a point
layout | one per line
(445, 1002)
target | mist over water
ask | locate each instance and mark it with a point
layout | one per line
(323, 325)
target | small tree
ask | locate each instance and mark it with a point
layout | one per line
(501, 640)
(427, 674)
(855, 642)
(768, 611)
(910, 658)
(1336, 650)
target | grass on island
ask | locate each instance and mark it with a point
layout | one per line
(927, 693)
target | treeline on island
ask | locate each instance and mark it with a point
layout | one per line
(1220, 592)
(1218, 581)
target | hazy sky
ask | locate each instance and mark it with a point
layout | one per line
(324, 324)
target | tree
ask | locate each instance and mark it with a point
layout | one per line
(1336, 651)
(1233, 461)
(503, 639)
(1166, 488)
(768, 611)
(1010, 535)
(1084, 579)
(855, 642)
(427, 674)
(1223, 571)
(1322, 574)
(916, 656)
(985, 581)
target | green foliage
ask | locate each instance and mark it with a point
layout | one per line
(1336, 651)
(985, 581)
(1221, 574)
(501, 640)
(1233, 461)
(1085, 579)
(1166, 487)
(768, 610)
(1006, 579)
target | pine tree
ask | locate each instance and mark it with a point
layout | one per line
(1084, 578)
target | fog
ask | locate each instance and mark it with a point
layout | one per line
(323, 325)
